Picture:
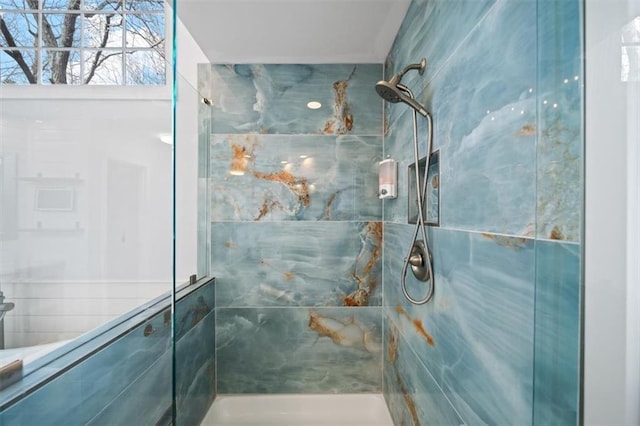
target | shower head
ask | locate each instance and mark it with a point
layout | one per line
(394, 92)
(389, 92)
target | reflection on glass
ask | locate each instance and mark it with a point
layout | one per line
(630, 63)
(8, 197)
(85, 216)
(630, 51)
(55, 199)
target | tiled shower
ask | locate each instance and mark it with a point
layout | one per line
(296, 228)
(500, 341)
(307, 259)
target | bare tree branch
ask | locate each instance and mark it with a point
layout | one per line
(102, 59)
(69, 24)
(103, 43)
(16, 54)
(48, 35)
(104, 4)
(59, 66)
(53, 39)
(148, 36)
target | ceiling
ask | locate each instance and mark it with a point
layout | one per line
(293, 31)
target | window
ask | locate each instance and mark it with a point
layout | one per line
(107, 42)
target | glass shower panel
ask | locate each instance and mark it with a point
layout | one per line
(194, 335)
(86, 213)
(559, 221)
(204, 195)
(98, 251)
(86, 237)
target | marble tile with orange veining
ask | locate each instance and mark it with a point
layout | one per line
(299, 350)
(285, 177)
(413, 395)
(272, 99)
(297, 263)
(476, 335)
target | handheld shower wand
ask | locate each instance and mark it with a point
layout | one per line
(419, 256)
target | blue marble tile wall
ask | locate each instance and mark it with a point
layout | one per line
(296, 231)
(129, 381)
(499, 343)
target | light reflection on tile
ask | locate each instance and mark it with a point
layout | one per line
(276, 177)
(484, 131)
(434, 30)
(488, 158)
(560, 120)
(273, 98)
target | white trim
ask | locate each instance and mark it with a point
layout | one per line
(612, 226)
(68, 92)
(633, 256)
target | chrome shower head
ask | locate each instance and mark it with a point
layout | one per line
(394, 92)
(389, 92)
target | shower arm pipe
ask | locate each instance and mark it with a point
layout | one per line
(420, 66)
(421, 191)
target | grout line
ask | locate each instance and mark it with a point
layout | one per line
(500, 234)
(301, 307)
(301, 222)
(300, 135)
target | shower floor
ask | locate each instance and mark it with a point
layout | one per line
(299, 410)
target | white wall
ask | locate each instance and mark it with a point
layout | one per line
(612, 243)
